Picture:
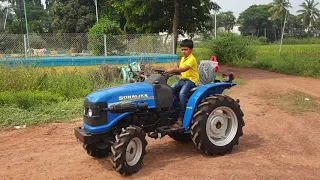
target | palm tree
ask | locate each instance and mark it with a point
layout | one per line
(279, 8)
(309, 13)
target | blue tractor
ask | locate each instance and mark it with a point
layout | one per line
(117, 120)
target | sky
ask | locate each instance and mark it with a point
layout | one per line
(238, 6)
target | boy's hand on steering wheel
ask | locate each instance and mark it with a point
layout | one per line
(169, 71)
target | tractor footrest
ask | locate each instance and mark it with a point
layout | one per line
(168, 129)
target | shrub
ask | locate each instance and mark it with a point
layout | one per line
(28, 99)
(104, 75)
(6, 98)
(229, 47)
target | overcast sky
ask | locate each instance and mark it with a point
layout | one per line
(239, 6)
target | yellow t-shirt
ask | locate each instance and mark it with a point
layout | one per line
(192, 74)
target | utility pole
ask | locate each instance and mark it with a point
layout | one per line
(96, 3)
(20, 14)
(5, 20)
(26, 20)
(284, 25)
(215, 24)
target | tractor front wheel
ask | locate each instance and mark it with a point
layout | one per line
(217, 125)
(97, 150)
(129, 150)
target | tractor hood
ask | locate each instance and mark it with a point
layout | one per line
(128, 93)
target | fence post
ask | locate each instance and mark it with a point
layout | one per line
(105, 45)
(173, 44)
(25, 45)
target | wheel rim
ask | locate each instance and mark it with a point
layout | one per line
(134, 151)
(222, 126)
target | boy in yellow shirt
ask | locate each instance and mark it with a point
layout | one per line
(189, 77)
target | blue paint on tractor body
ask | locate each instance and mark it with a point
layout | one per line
(120, 94)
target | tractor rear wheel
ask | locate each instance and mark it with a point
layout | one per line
(129, 150)
(217, 125)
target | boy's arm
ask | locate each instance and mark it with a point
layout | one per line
(177, 70)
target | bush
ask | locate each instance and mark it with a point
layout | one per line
(229, 47)
(28, 99)
(104, 75)
(6, 98)
(96, 40)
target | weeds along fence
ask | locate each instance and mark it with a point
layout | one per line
(83, 44)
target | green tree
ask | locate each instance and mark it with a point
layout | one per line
(177, 17)
(226, 20)
(37, 17)
(145, 16)
(279, 8)
(107, 10)
(194, 16)
(309, 13)
(294, 27)
(317, 27)
(5, 11)
(73, 16)
(255, 20)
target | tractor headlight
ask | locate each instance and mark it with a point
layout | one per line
(90, 112)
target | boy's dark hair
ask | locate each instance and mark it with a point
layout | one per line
(187, 43)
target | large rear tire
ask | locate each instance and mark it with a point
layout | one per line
(129, 150)
(217, 125)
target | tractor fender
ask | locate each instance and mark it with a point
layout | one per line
(202, 92)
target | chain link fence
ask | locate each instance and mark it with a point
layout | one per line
(83, 44)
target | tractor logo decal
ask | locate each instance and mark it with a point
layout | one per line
(141, 96)
(131, 99)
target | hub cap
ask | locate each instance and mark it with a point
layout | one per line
(134, 151)
(222, 126)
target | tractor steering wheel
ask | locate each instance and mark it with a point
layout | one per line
(162, 72)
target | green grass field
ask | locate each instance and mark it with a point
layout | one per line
(302, 60)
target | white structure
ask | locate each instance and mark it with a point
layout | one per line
(236, 29)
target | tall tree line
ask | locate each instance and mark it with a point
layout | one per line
(268, 20)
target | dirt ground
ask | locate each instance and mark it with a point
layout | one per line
(276, 144)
